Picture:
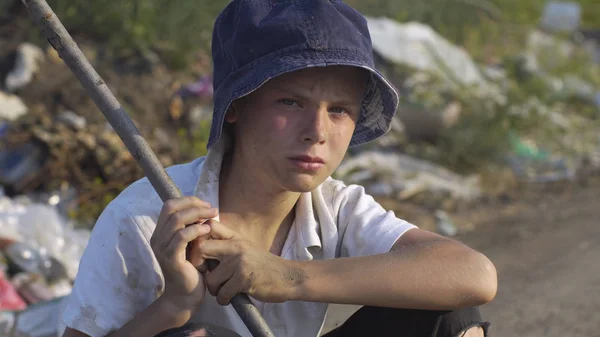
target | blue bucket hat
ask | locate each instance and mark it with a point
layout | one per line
(257, 40)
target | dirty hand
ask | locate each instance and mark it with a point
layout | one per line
(182, 221)
(245, 268)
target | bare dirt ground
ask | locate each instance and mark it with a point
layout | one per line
(547, 253)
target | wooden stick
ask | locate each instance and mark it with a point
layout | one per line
(97, 89)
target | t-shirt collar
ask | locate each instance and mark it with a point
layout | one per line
(306, 223)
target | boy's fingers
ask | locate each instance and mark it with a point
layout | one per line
(175, 205)
(180, 240)
(195, 257)
(219, 231)
(169, 208)
(217, 249)
(184, 218)
(217, 277)
(231, 288)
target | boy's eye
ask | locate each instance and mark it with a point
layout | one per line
(337, 110)
(287, 101)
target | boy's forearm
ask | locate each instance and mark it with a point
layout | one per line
(432, 276)
(161, 315)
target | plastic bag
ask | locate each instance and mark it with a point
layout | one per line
(42, 227)
(40, 320)
(9, 298)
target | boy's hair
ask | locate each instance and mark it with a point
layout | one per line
(257, 40)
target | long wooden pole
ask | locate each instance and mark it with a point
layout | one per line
(108, 104)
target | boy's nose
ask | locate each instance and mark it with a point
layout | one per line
(315, 131)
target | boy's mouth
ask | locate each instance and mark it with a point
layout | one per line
(309, 159)
(308, 163)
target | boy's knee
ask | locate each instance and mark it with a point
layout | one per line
(465, 322)
(475, 331)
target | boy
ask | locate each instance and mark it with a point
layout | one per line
(295, 86)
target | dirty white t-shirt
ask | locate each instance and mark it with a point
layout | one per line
(119, 276)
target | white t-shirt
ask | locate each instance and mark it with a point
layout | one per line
(119, 276)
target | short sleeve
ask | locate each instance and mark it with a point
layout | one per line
(118, 276)
(365, 227)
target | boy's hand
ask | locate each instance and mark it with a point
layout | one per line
(181, 221)
(246, 268)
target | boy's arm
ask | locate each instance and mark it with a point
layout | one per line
(158, 317)
(423, 270)
(383, 261)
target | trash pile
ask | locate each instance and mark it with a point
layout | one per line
(547, 133)
(52, 136)
(39, 258)
(406, 178)
(519, 115)
(39, 150)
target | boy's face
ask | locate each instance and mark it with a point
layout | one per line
(294, 131)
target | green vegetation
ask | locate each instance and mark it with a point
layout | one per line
(174, 29)
(177, 29)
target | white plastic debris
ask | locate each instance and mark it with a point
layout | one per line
(41, 226)
(406, 175)
(27, 64)
(73, 120)
(419, 46)
(7, 322)
(444, 224)
(11, 107)
(561, 17)
(541, 46)
(40, 320)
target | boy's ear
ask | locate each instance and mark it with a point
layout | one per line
(231, 114)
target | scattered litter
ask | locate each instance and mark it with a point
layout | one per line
(444, 224)
(561, 17)
(73, 120)
(27, 64)
(10, 300)
(533, 164)
(39, 320)
(33, 260)
(4, 127)
(546, 170)
(420, 47)
(405, 176)
(20, 165)
(11, 107)
(39, 257)
(7, 321)
(42, 227)
(202, 88)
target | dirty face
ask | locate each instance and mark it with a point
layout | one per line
(294, 131)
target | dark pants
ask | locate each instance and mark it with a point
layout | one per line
(383, 322)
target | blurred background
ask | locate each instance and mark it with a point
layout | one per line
(495, 143)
